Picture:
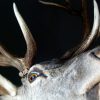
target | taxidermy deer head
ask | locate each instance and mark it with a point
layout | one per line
(74, 76)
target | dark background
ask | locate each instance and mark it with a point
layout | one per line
(54, 30)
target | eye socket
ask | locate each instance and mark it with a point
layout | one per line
(32, 76)
(35, 73)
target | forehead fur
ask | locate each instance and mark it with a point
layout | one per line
(36, 66)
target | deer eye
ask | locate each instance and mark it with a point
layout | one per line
(96, 55)
(32, 76)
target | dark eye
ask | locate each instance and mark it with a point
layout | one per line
(32, 76)
(96, 55)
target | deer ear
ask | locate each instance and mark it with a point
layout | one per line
(6, 87)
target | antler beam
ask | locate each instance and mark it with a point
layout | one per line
(88, 36)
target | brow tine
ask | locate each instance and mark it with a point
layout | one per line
(30, 42)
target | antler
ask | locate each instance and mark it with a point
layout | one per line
(6, 87)
(88, 35)
(66, 6)
(31, 45)
(22, 64)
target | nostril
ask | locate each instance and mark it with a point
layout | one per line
(96, 54)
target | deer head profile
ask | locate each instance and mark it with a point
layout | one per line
(74, 76)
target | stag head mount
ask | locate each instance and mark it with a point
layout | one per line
(74, 76)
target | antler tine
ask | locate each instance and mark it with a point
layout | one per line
(4, 61)
(22, 64)
(6, 87)
(7, 59)
(88, 36)
(87, 41)
(67, 6)
(30, 42)
(3, 91)
(52, 4)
